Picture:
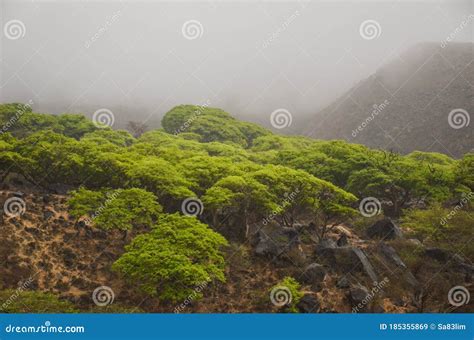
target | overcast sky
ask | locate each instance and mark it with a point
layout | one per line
(140, 59)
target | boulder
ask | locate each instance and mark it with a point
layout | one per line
(274, 242)
(384, 229)
(346, 260)
(343, 282)
(18, 194)
(357, 295)
(314, 274)
(393, 259)
(342, 241)
(325, 246)
(457, 262)
(47, 214)
(308, 304)
(391, 255)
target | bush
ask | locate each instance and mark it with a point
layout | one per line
(179, 254)
(17, 301)
(279, 294)
(444, 228)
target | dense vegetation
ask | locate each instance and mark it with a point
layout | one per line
(239, 172)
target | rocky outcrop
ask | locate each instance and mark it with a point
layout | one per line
(384, 229)
(345, 259)
(308, 304)
(275, 241)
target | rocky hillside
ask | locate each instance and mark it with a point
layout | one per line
(45, 248)
(406, 104)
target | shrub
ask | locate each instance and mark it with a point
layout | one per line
(179, 254)
(279, 293)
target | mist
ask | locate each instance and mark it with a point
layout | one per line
(140, 59)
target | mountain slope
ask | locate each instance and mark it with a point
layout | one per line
(405, 105)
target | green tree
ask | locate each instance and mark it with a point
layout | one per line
(178, 254)
(162, 178)
(120, 209)
(241, 197)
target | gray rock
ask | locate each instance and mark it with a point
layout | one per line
(308, 304)
(343, 282)
(358, 294)
(314, 274)
(324, 247)
(415, 242)
(392, 258)
(384, 229)
(277, 241)
(391, 255)
(347, 259)
(47, 214)
(342, 241)
(444, 256)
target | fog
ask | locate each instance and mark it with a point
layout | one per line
(249, 58)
